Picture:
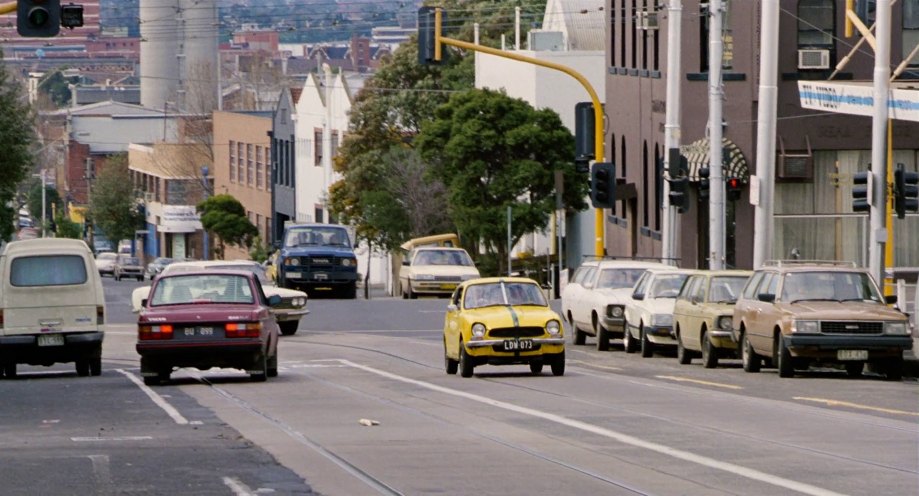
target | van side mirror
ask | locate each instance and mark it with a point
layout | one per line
(766, 297)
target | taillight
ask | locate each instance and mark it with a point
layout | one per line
(100, 315)
(151, 332)
(243, 330)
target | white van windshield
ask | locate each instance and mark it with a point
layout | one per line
(50, 270)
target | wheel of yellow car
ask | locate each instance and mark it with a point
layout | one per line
(647, 347)
(450, 364)
(709, 353)
(465, 362)
(558, 365)
(536, 368)
(750, 359)
(783, 358)
(682, 354)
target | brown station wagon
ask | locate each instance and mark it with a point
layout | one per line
(794, 314)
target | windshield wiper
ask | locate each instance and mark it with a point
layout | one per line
(813, 299)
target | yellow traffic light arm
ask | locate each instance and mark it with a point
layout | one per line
(598, 109)
(6, 8)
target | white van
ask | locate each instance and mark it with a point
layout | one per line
(52, 308)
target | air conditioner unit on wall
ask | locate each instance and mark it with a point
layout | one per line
(647, 20)
(795, 167)
(813, 58)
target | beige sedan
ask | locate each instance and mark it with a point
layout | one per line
(702, 316)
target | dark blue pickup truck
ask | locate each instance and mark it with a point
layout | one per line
(317, 258)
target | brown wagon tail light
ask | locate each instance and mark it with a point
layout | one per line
(100, 315)
(243, 329)
(154, 332)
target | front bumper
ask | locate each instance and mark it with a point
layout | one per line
(824, 346)
(434, 287)
(487, 343)
(614, 325)
(722, 339)
(282, 315)
(662, 335)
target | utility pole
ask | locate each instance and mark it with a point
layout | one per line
(327, 139)
(877, 235)
(765, 134)
(44, 218)
(715, 103)
(672, 125)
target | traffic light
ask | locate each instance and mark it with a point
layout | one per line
(427, 40)
(703, 184)
(38, 18)
(905, 191)
(677, 195)
(861, 191)
(733, 188)
(584, 135)
(602, 185)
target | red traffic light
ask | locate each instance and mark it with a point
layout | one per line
(733, 187)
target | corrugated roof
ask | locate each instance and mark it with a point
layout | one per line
(582, 22)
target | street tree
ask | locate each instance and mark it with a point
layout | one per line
(391, 108)
(16, 140)
(494, 152)
(226, 217)
(114, 206)
(53, 201)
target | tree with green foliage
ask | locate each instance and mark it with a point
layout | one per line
(66, 228)
(16, 139)
(114, 206)
(494, 152)
(390, 110)
(224, 216)
(53, 201)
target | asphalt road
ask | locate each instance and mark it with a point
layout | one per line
(614, 424)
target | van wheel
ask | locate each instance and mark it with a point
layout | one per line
(151, 380)
(9, 370)
(82, 367)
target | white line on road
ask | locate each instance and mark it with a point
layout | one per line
(238, 488)
(618, 436)
(102, 473)
(157, 399)
(697, 381)
(109, 439)
(856, 406)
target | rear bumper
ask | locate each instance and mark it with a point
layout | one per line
(159, 355)
(24, 348)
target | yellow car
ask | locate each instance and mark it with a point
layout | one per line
(502, 321)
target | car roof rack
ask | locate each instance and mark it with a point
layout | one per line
(794, 262)
(671, 260)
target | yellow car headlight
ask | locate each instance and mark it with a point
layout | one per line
(478, 331)
(553, 327)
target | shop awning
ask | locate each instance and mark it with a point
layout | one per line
(734, 164)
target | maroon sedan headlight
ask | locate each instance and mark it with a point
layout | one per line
(154, 332)
(243, 330)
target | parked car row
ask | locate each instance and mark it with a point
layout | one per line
(787, 314)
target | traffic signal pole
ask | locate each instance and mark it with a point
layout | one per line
(715, 132)
(598, 108)
(877, 235)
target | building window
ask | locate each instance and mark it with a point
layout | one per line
(910, 30)
(646, 182)
(657, 38)
(816, 23)
(614, 18)
(727, 37)
(283, 117)
(318, 212)
(317, 148)
(250, 165)
(623, 20)
(634, 31)
(232, 161)
(259, 167)
(334, 144)
(240, 162)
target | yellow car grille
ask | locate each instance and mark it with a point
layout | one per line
(517, 332)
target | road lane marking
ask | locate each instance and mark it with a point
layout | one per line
(739, 470)
(238, 488)
(856, 406)
(157, 399)
(110, 439)
(593, 365)
(697, 381)
(102, 473)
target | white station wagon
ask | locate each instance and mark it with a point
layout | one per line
(649, 314)
(594, 301)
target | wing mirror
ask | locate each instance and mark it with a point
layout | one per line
(766, 297)
(274, 300)
(890, 299)
(406, 262)
(638, 296)
(451, 307)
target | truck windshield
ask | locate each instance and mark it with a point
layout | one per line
(317, 236)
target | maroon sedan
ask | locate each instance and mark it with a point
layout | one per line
(207, 319)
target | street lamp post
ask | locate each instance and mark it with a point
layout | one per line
(204, 172)
(43, 202)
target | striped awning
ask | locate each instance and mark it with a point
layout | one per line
(734, 164)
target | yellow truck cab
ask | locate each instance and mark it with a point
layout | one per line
(52, 307)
